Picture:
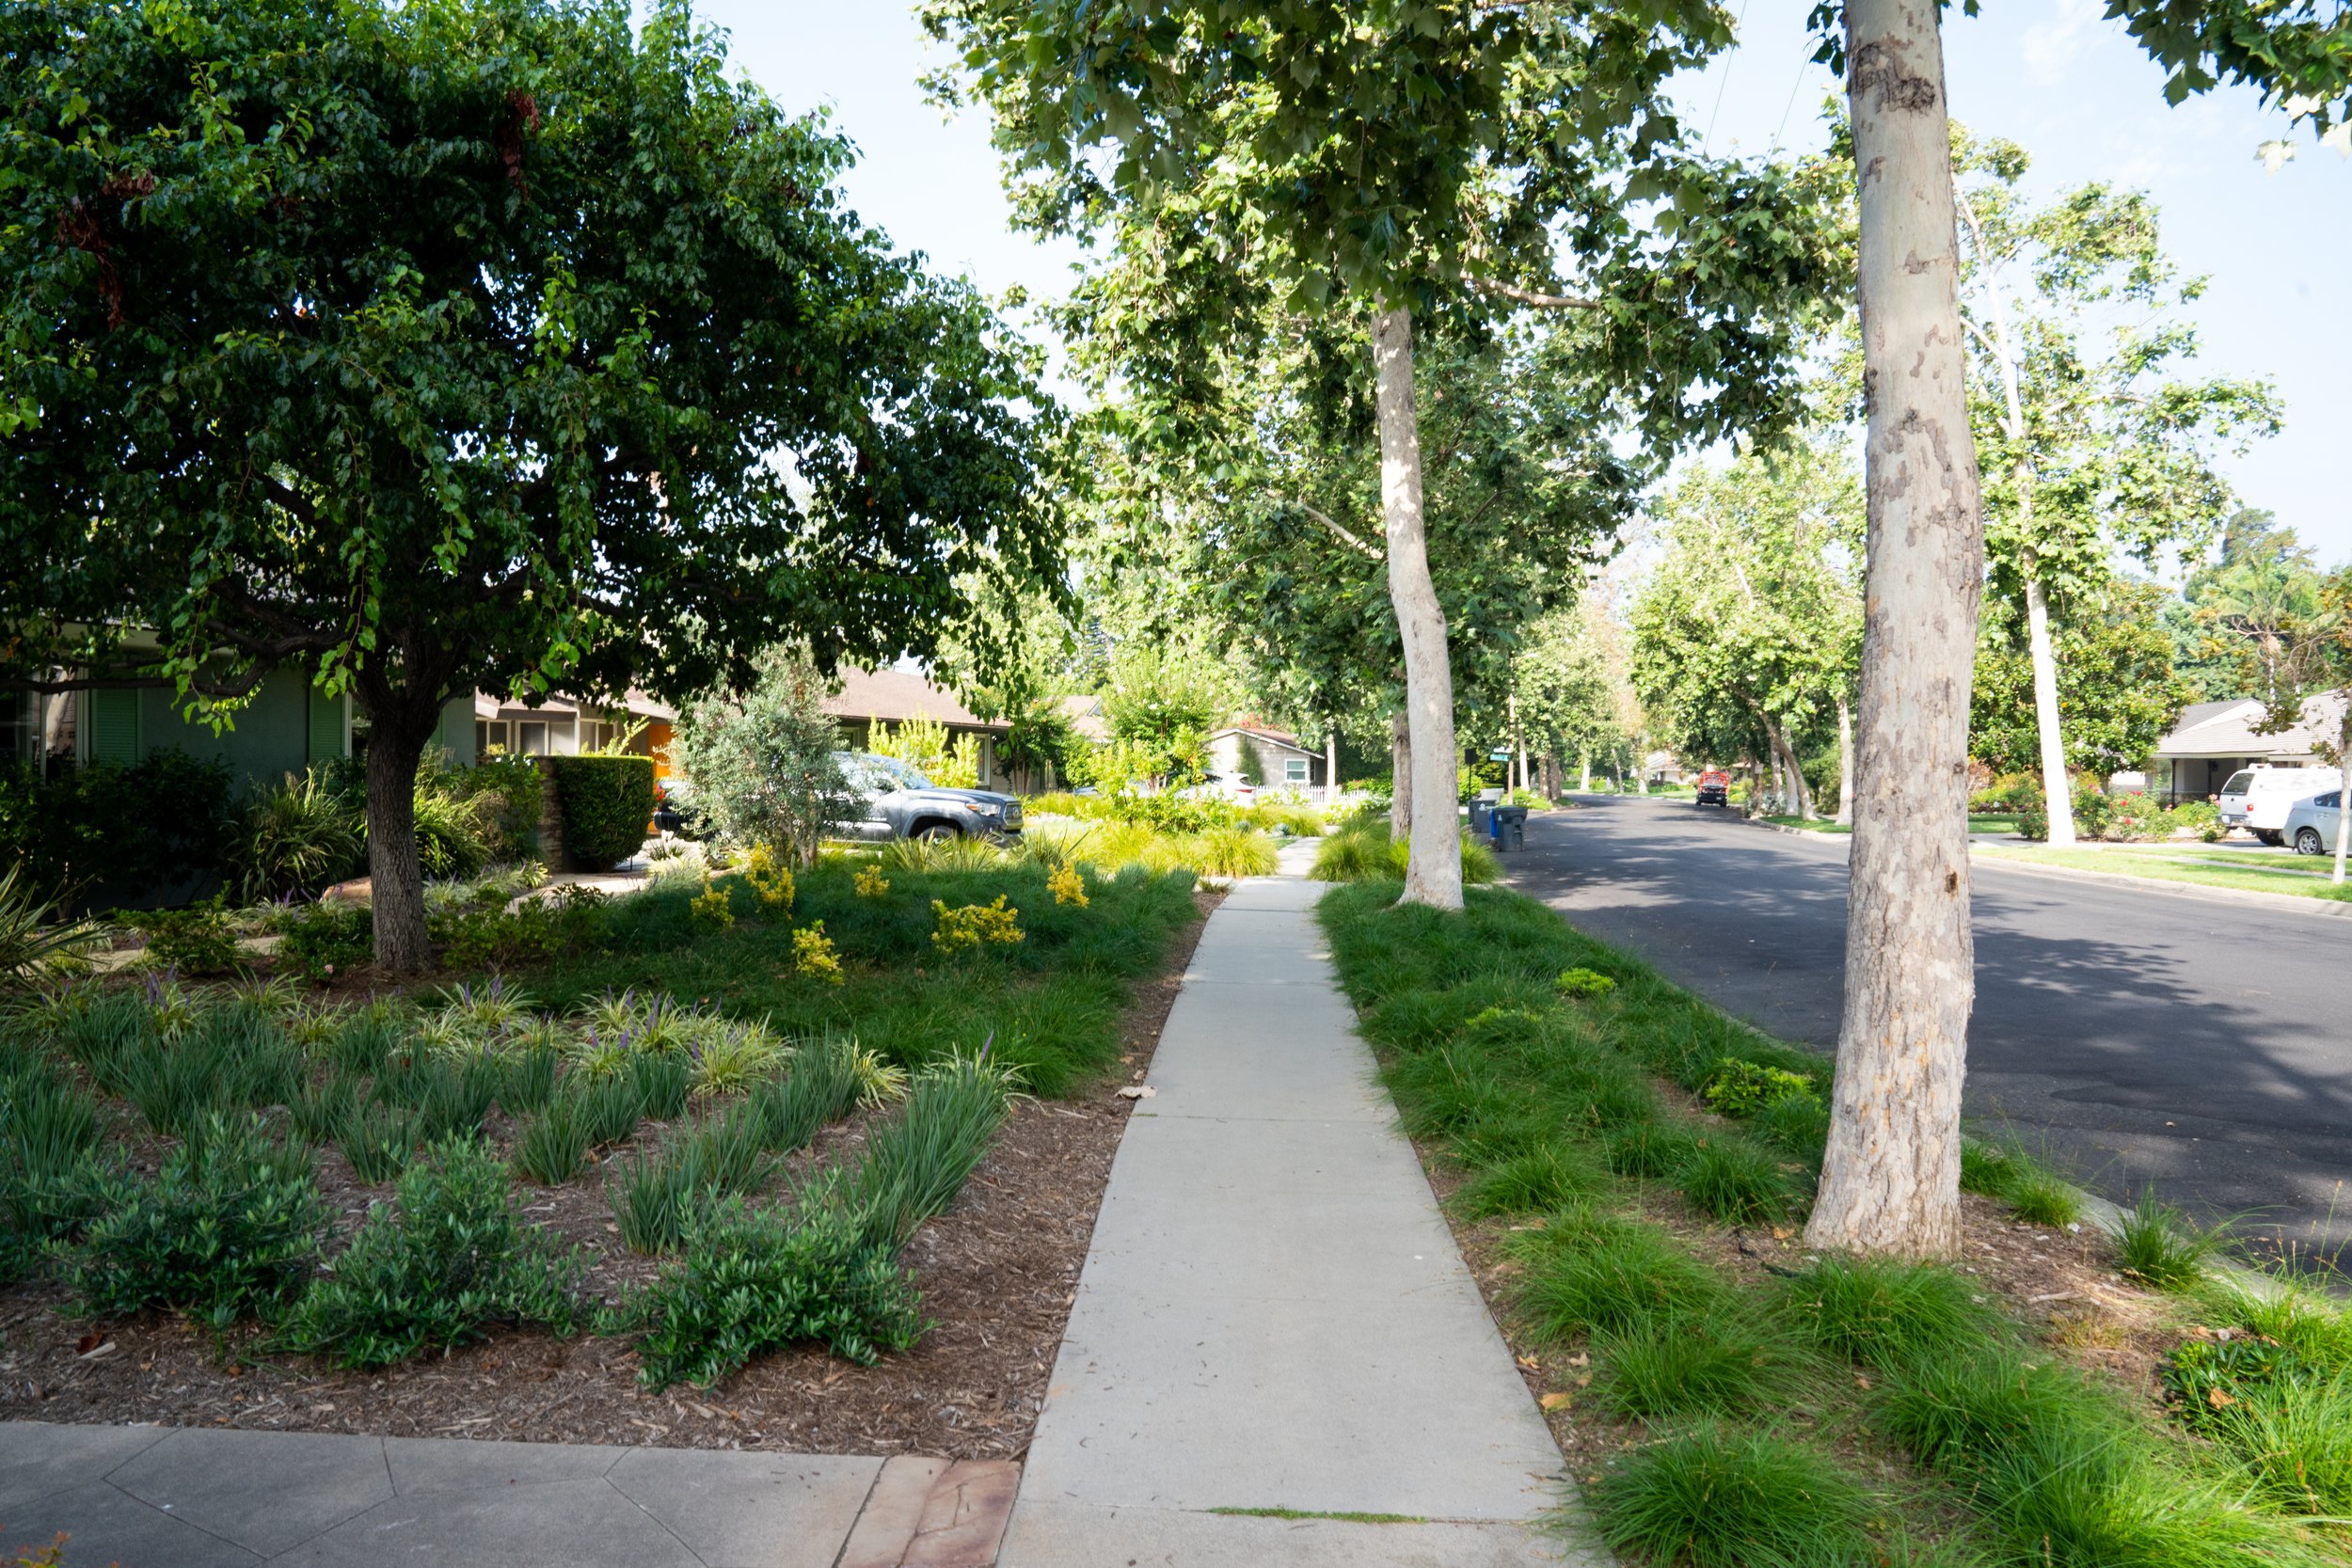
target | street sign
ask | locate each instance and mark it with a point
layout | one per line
(1498, 757)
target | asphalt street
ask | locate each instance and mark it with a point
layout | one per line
(2199, 1046)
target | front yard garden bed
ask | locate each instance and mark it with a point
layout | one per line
(1075, 1005)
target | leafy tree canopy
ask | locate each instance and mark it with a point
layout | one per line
(2116, 683)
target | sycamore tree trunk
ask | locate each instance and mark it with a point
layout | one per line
(1432, 871)
(1400, 776)
(1585, 769)
(1331, 766)
(1890, 1175)
(1845, 761)
(1799, 798)
(2343, 785)
(2058, 791)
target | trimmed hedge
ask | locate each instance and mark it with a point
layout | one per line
(607, 807)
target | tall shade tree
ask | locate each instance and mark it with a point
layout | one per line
(1890, 1174)
(2308, 666)
(1262, 522)
(2093, 448)
(2242, 611)
(1747, 633)
(2116, 681)
(1415, 159)
(429, 346)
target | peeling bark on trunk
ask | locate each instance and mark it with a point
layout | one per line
(1331, 766)
(1433, 870)
(1796, 795)
(1845, 760)
(2343, 786)
(2058, 791)
(1585, 769)
(1890, 1176)
(1400, 776)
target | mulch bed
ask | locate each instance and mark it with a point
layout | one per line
(997, 1273)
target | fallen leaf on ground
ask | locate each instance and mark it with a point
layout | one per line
(1558, 1401)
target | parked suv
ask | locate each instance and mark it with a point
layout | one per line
(2259, 798)
(890, 800)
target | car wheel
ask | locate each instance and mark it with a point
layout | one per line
(2308, 841)
(932, 832)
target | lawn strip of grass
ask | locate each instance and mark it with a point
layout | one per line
(1782, 1417)
(2173, 868)
(1345, 1516)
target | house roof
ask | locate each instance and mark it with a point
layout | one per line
(2226, 730)
(637, 704)
(894, 696)
(1283, 738)
(1086, 716)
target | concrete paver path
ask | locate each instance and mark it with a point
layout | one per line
(1273, 1315)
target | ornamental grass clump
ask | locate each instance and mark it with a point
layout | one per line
(914, 1167)
(448, 1258)
(1891, 1315)
(2158, 1245)
(822, 1082)
(655, 1196)
(553, 1144)
(1715, 1496)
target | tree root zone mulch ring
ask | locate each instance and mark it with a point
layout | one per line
(997, 1273)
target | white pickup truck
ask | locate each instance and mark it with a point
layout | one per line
(2259, 798)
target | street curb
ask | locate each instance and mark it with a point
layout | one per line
(2325, 908)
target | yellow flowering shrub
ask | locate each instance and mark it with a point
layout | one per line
(773, 882)
(975, 926)
(871, 884)
(813, 954)
(1068, 887)
(712, 910)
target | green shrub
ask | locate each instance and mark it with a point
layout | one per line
(527, 1078)
(327, 939)
(379, 1140)
(119, 835)
(510, 789)
(607, 804)
(297, 839)
(662, 1082)
(192, 941)
(1739, 1087)
(1363, 851)
(226, 1058)
(1716, 1497)
(1580, 982)
(1798, 1124)
(227, 1228)
(1891, 1315)
(448, 1260)
(608, 1110)
(750, 1281)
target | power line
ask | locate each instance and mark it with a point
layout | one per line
(1794, 87)
(1737, 28)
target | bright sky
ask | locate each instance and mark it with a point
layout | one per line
(2048, 74)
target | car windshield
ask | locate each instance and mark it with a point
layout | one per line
(2238, 784)
(879, 775)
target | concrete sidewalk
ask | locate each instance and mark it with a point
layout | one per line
(164, 1497)
(1273, 1316)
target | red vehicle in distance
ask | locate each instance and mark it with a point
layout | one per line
(1715, 789)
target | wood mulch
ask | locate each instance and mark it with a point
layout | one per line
(997, 1273)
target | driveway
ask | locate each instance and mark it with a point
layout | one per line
(2140, 1038)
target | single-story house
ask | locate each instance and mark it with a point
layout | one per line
(1264, 755)
(563, 727)
(1087, 721)
(2213, 740)
(871, 697)
(289, 725)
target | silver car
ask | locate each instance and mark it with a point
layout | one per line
(2311, 825)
